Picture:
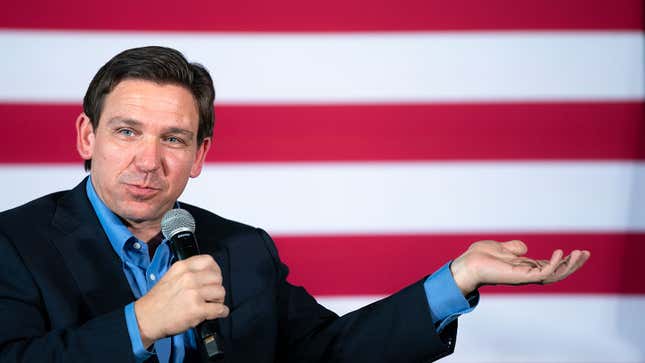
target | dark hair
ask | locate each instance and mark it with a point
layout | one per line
(157, 64)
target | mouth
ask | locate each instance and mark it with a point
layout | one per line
(142, 191)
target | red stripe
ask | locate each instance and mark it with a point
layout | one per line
(450, 132)
(355, 265)
(324, 16)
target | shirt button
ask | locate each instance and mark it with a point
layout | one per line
(136, 245)
(153, 277)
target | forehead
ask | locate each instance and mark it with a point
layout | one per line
(147, 101)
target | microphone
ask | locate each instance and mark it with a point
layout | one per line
(178, 227)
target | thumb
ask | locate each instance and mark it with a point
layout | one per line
(516, 247)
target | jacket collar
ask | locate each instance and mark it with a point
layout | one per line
(88, 254)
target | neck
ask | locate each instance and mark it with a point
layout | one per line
(144, 231)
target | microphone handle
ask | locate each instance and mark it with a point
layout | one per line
(184, 245)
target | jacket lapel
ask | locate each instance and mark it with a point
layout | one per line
(94, 265)
(221, 256)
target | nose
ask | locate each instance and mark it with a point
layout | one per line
(148, 157)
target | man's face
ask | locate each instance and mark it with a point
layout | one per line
(144, 148)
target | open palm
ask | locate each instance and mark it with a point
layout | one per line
(493, 263)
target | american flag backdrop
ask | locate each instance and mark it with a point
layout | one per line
(376, 140)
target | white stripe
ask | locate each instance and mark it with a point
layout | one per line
(349, 198)
(543, 329)
(372, 67)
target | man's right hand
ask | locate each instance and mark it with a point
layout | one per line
(190, 292)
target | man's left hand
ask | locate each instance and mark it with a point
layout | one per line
(495, 263)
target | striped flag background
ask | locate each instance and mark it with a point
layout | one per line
(376, 140)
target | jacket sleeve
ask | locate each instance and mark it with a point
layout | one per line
(26, 334)
(398, 328)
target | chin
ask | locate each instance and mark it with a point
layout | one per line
(137, 219)
(138, 214)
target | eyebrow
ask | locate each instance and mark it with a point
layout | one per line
(134, 123)
(177, 130)
(126, 121)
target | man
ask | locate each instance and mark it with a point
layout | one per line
(86, 275)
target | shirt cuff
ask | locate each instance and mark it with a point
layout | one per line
(445, 299)
(140, 352)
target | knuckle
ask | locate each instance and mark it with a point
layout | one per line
(211, 263)
(186, 279)
(206, 259)
(178, 267)
(218, 293)
(215, 293)
(217, 279)
(194, 298)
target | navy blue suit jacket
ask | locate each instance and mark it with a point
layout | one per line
(62, 294)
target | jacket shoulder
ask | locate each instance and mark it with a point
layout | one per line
(31, 214)
(209, 223)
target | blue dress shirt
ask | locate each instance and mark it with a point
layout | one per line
(444, 297)
(142, 274)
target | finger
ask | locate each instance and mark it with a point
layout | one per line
(576, 260)
(545, 276)
(556, 257)
(516, 247)
(584, 256)
(193, 264)
(565, 265)
(202, 262)
(207, 277)
(195, 280)
(215, 311)
(213, 294)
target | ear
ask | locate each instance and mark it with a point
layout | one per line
(202, 150)
(84, 136)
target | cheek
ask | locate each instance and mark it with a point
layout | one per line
(110, 152)
(111, 161)
(178, 165)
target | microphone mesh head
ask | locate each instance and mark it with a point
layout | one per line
(176, 220)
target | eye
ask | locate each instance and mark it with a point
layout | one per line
(175, 140)
(125, 132)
